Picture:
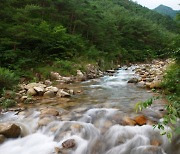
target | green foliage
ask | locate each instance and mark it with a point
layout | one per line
(7, 79)
(171, 88)
(6, 103)
(171, 82)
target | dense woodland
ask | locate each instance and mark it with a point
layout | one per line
(65, 35)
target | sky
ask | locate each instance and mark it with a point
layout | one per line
(154, 3)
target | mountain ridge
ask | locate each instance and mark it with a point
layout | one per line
(166, 10)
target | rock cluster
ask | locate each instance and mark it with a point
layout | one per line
(150, 75)
(40, 89)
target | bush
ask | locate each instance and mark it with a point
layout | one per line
(171, 80)
(6, 103)
(7, 79)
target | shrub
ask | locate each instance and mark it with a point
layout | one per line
(6, 103)
(7, 79)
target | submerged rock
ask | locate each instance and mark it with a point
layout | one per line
(69, 144)
(10, 130)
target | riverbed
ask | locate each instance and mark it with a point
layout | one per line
(94, 121)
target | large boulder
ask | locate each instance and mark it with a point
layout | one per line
(10, 130)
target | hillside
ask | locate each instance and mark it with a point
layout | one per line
(64, 35)
(165, 10)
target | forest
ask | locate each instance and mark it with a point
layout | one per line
(37, 34)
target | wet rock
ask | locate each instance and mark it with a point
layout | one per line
(141, 120)
(10, 130)
(128, 121)
(44, 121)
(62, 93)
(31, 92)
(2, 139)
(69, 144)
(49, 112)
(133, 80)
(49, 94)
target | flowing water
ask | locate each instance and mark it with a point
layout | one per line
(94, 121)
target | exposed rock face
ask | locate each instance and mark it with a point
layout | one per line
(10, 130)
(141, 120)
(69, 144)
